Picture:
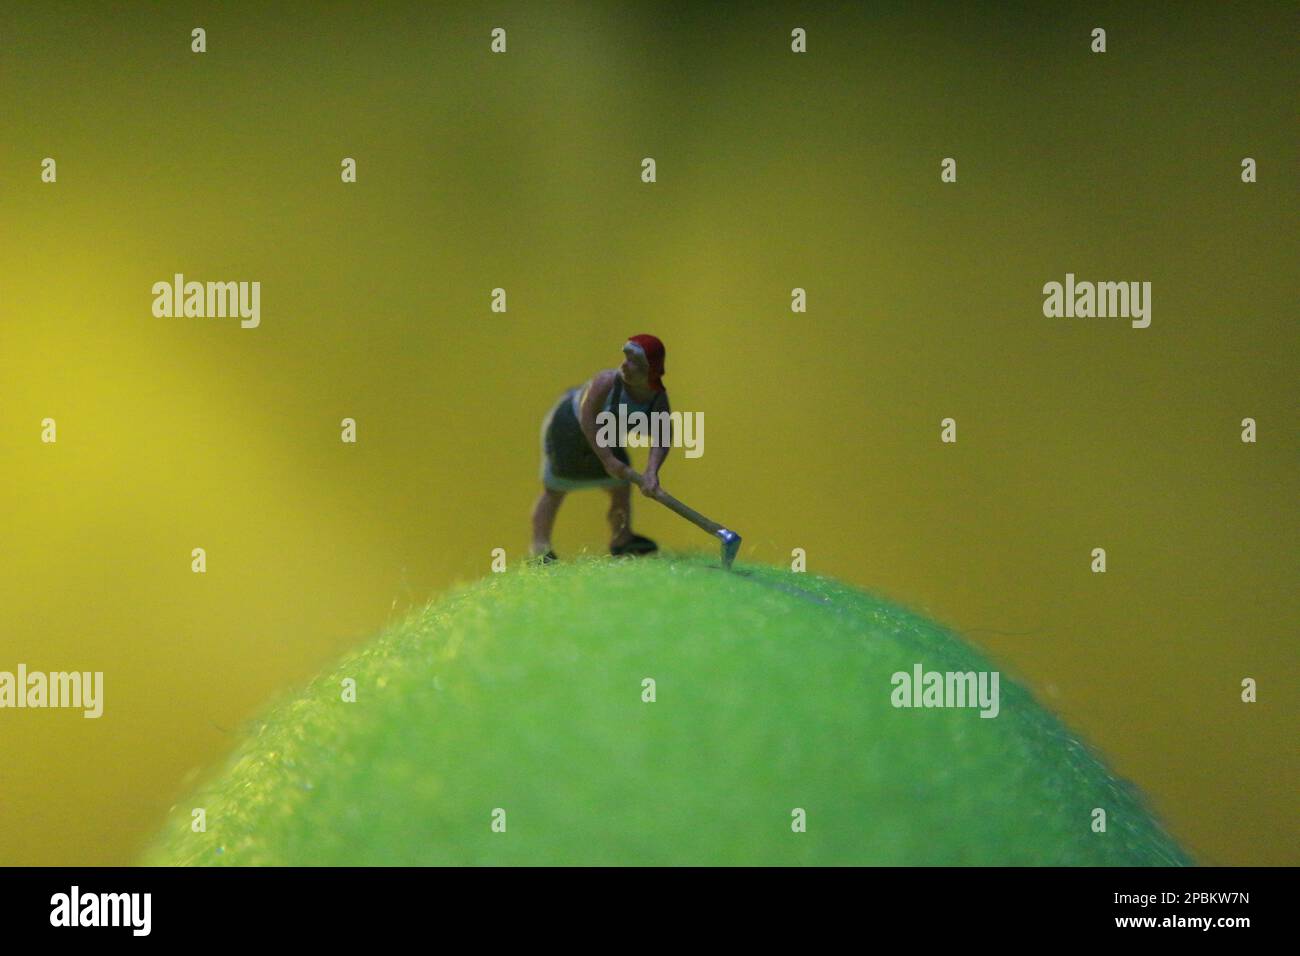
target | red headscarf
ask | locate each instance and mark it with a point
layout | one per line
(654, 353)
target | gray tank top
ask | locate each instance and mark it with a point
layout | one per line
(617, 397)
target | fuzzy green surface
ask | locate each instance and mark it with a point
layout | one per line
(524, 692)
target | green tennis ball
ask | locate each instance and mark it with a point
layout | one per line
(511, 722)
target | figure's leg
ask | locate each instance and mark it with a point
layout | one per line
(623, 541)
(620, 515)
(544, 512)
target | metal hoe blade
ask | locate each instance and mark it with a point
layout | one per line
(730, 546)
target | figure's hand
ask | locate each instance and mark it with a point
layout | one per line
(649, 483)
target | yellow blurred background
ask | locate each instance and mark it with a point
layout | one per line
(522, 171)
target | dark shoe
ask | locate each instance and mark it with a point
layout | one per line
(635, 547)
(548, 558)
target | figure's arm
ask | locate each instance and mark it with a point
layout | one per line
(650, 480)
(593, 400)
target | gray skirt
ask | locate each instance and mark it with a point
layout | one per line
(568, 461)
